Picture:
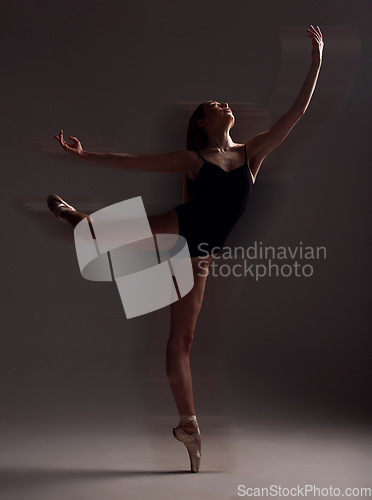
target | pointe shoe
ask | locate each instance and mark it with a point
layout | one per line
(192, 448)
(57, 208)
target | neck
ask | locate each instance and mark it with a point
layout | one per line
(220, 140)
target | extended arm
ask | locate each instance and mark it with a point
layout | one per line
(177, 161)
(262, 144)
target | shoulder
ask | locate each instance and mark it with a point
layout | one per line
(191, 162)
(251, 144)
(183, 160)
(185, 157)
(253, 159)
(252, 148)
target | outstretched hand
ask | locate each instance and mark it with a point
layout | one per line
(74, 148)
(318, 44)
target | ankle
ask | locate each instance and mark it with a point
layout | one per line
(188, 423)
(188, 418)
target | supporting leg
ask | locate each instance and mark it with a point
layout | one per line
(184, 314)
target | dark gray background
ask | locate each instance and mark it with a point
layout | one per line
(114, 74)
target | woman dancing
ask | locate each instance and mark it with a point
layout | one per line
(219, 176)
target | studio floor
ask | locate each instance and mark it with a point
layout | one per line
(110, 461)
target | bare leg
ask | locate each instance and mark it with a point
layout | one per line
(184, 314)
(166, 223)
(72, 217)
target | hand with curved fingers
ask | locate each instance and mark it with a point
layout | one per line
(318, 43)
(74, 148)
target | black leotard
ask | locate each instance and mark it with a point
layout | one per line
(219, 200)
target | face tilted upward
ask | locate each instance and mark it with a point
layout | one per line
(215, 111)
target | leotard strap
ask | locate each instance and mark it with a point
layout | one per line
(201, 156)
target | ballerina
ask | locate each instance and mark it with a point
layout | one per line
(220, 175)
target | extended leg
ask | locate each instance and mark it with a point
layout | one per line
(64, 211)
(166, 223)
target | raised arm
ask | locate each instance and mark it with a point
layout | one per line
(177, 161)
(263, 144)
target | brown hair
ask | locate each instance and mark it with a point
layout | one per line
(197, 138)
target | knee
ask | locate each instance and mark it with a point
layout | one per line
(187, 339)
(181, 341)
